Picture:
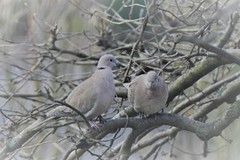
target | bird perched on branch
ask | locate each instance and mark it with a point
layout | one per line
(147, 93)
(93, 96)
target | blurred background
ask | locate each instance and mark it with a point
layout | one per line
(31, 64)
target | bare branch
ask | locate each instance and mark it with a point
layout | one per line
(208, 47)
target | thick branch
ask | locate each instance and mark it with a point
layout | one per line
(204, 131)
(208, 47)
(17, 141)
(204, 93)
(193, 75)
(127, 145)
(232, 23)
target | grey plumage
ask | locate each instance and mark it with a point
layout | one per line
(147, 93)
(93, 96)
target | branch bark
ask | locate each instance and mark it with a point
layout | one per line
(208, 47)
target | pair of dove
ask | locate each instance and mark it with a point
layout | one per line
(147, 93)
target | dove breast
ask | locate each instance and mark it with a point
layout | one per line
(148, 93)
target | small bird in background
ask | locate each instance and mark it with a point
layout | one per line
(93, 96)
(147, 93)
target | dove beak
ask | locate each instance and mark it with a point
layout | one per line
(118, 65)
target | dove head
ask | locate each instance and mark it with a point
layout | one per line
(152, 80)
(107, 61)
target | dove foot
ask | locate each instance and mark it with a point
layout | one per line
(96, 126)
(142, 115)
(101, 119)
(153, 115)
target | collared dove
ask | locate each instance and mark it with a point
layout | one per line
(93, 96)
(147, 93)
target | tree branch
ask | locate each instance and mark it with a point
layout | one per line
(232, 23)
(208, 47)
(204, 93)
(193, 75)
